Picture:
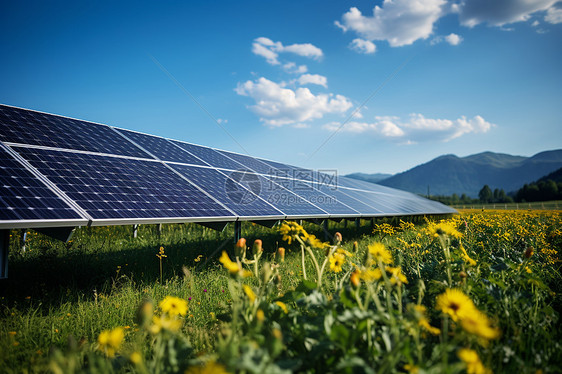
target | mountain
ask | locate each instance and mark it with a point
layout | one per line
(450, 174)
(373, 178)
(555, 176)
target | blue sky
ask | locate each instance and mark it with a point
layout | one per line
(366, 86)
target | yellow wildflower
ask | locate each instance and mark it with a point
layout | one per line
(110, 341)
(135, 358)
(210, 367)
(250, 293)
(336, 262)
(396, 276)
(164, 323)
(282, 305)
(260, 315)
(173, 306)
(444, 228)
(466, 257)
(477, 323)
(472, 362)
(412, 369)
(231, 266)
(455, 303)
(371, 275)
(379, 252)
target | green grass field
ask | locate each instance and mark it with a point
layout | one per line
(371, 313)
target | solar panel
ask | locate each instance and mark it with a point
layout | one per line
(113, 188)
(242, 199)
(307, 191)
(161, 148)
(279, 196)
(29, 127)
(211, 156)
(61, 171)
(23, 197)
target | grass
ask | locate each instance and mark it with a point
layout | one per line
(60, 297)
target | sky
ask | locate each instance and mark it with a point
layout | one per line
(352, 86)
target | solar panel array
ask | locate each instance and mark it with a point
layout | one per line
(58, 171)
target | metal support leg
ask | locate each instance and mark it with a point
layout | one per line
(4, 247)
(357, 223)
(23, 239)
(325, 229)
(135, 231)
(237, 231)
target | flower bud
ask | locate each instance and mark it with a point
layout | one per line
(529, 252)
(354, 278)
(240, 247)
(355, 247)
(257, 248)
(463, 274)
(281, 252)
(337, 238)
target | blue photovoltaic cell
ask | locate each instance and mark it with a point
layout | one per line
(252, 163)
(119, 188)
(372, 199)
(307, 192)
(24, 197)
(240, 199)
(27, 127)
(290, 171)
(338, 194)
(211, 156)
(278, 196)
(162, 148)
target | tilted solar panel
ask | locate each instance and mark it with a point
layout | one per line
(24, 197)
(113, 188)
(61, 171)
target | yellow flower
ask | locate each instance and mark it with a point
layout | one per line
(423, 322)
(465, 256)
(477, 323)
(371, 275)
(355, 278)
(455, 303)
(164, 323)
(379, 252)
(282, 305)
(472, 362)
(110, 341)
(173, 306)
(135, 358)
(260, 315)
(231, 266)
(210, 367)
(396, 276)
(412, 369)
(313, 241)
(444, 228)
(250, 293)
(336, 262)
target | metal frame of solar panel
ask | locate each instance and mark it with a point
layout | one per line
(105, 175)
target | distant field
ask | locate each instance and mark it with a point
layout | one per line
(476, 292)
(540, 205)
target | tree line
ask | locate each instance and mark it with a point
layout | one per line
(543, 190)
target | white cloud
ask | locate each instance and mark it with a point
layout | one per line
(500, 12)
(554, 14)
(262, 50)
(291, 67)
(536, 23)
(313, 79)
(278, 106)
(400, 22)
(362, 46)
(453, 39)
(270, 50)
(416, 128)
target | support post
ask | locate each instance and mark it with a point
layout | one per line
(325, 229)
(372, 223)
(357, 223)
(4, 247)
(237, 231)
(135, 231)
(23, 239)
(345, 224)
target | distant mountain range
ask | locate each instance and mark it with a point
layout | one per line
(449, 174)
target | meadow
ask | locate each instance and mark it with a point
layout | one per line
(477, 292)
